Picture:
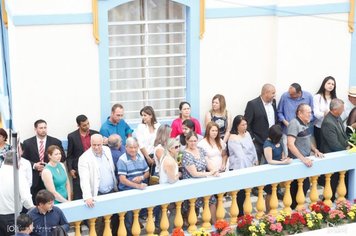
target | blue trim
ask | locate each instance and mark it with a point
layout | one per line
(274, 10)
(212, 13)
(193, 58)
(60, 19)
(352, 80)
(331, 8)
(104, 74)
(268, 10)
(192, 54)
(4, 40)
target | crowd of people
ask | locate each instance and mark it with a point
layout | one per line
(118, 158)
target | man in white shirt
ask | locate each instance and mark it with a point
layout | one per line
(7, 198)
(25, 166)
(96, 173)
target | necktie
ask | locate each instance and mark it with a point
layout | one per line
(41, 152)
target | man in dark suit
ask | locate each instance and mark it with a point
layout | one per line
(333, 138)
(333, 135)
(34, 150)
(261, 113)
(78, 143)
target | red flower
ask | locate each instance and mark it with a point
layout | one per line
(220, 225)
(178, 232)
(294, 223)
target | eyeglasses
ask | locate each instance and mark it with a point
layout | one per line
(177, 147)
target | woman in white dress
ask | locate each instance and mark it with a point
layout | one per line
(214, 147)
(321, 103)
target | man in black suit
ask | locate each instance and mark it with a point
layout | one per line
(78, 143)
(261, 113)
(34, 150)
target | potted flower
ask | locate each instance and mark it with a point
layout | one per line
(223, 229)
(200, 232)
(351, 215)
(335, 217)
(257, 229)
(320, 207)
(313, 220)
(178, 232)
(344, 206)
(294, 223)
(243, 224)
(272, 226)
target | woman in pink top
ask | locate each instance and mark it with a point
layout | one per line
(184, 108)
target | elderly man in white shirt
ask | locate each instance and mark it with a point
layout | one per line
(97, 176)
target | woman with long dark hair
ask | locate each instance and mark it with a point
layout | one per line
(242, 152)
(146, 133)
(321, 103)
(274, 154)
(184, 108)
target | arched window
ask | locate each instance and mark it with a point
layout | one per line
(147, 45)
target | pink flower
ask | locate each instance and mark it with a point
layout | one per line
(279, 227)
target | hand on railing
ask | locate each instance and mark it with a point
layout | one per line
(319, 154)
(141, 186)
(89, 202)
(307, 162)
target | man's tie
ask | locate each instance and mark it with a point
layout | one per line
(41, 151)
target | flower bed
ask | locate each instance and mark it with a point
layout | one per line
(319, 216)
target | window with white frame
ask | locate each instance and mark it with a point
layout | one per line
(147, 57)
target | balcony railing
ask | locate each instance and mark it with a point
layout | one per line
(230, 181)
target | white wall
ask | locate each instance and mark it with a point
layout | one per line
(55, 76)
(239, 55)
(311, 48)
(55, 68)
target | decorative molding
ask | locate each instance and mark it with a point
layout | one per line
(275, 10)
(202, 18)
(95, 21)
(61, 19)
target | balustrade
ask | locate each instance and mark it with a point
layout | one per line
(230, 183)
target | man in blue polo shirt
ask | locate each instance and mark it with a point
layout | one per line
(133, 173)
(115, 124)
(287, 107)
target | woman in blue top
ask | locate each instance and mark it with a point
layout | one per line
(273, 152)
(54, 176)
